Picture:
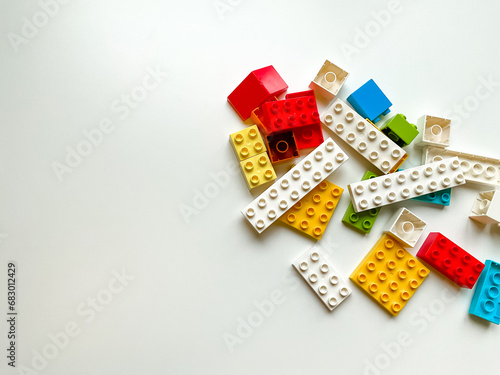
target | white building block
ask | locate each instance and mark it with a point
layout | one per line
(406, 227)
(410, 183)
(363, 137)
(294, 185)
(329, 80)
(486, 208)
(322, 277)
(478, 169)
(433, 131)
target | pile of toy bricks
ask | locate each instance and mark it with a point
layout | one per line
(284, 128)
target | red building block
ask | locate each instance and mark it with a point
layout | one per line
(308, 136)
(298, 109)
(282, 147)
(256, 88)
(451, 260)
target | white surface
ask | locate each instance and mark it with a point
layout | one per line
(194, 281)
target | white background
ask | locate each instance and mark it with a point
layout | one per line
(193, 280)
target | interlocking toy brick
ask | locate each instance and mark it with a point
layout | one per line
(399, 130)
(247, 142)
(486, 207)
(362, 221)
(297, 109)
(312, 213)
(442, 197)
(450, 260)
(406, 227)
(364, 137)
(309, 136)
(434, 131)
(257, 170)
(389, 274)
(315, 269)
(329, 80)
(282, 147)
(412, 182)
(478, 169)
(256, 88)
(294, 185)
(370, 102)
(486, 299)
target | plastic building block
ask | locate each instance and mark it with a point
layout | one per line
(486, 208)
(247, 143)
(442, 197)
(282, 147)
(297, 109)
(312, 213)
(399, 186)
(434, 131)
(399, 130)
(406, 227)
(256, 88)
(257, 112)
(294, 185)
(322, 277)
(486, 300)
(370, 102)
(389, 274)
(309, 136)
(450, 260)
(363, 137)
(477, 169)
(362, 221)
(258, 170)
(329, 80)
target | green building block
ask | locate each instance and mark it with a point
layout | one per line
(361, 221)
(400, 130)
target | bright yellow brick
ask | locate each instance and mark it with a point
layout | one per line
(247, 142)
(312, 213)
(389, 274)
(258, 170)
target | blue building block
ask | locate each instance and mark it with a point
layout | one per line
(370, 102)
(486, 300)
(442, 197)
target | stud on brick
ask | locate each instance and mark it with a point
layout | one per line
(486, 299)
(247, 142)
(389, 275)
(320, 275)
(364, 137)
(294, 185)
(450, 260)
(312, 213)
(362, 221)
(406, 184)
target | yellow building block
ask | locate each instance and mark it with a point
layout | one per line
(312, 213)
(389, 274)
(258, 170)
(247, 142)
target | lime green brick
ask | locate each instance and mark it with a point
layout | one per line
(400, 130)
(361, 221)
